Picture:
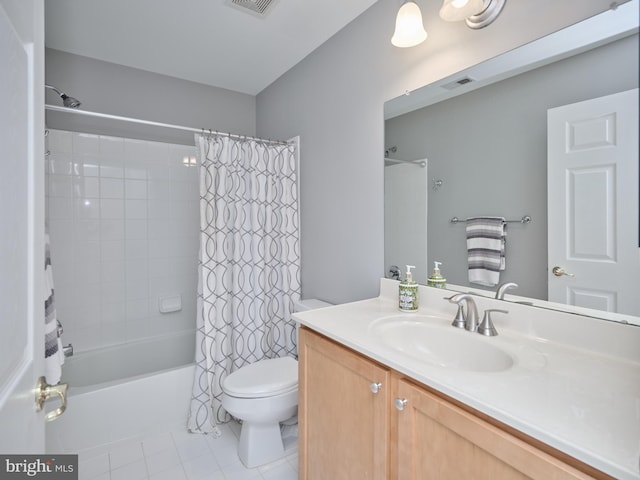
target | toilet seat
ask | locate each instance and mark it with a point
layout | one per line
(264, 378)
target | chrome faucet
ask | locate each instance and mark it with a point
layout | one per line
(67, 350)
(471, 316)
(502, 289)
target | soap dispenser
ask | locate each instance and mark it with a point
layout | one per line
(436, 279)
(408, 292)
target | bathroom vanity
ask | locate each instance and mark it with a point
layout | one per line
(384, 394)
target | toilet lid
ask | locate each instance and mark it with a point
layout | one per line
(263, 378)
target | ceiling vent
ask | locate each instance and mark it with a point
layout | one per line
(259, 8)
(457, 83)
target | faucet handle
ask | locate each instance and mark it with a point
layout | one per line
(486, 326)
(459, 320)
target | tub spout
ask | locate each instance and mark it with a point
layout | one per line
(67, 350)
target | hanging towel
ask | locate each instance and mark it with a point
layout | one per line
(486, 238)
(53, 356)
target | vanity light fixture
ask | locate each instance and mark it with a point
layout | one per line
(476, 13)
(409, 28)
(458, 10)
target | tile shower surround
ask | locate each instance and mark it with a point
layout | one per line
(123, 218)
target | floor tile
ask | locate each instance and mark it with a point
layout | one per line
(278, 470)
(131, 471)
(174, 473)
(237, 471)
(180, 455)
(164, 460)
(102, 476)
(158, 443)
(192, 447)
(125, 453)
(202, 466)
(93, 466)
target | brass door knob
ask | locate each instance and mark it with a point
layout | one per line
(44, 391)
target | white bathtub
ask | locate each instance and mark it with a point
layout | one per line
(125, 391)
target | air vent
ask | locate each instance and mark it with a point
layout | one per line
(457, 83)
(257, 7)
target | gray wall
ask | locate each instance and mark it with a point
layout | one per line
(334, 100)
(117, 90)
(489, 147)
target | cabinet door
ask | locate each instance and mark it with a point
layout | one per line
(438, 440)
(343, 424)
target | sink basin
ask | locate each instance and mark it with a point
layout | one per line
(432, 339)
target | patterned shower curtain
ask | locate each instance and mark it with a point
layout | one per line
(249, 269)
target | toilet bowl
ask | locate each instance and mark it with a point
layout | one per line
(262, 395)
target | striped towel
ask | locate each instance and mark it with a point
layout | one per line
(486, 238)
(53, 356)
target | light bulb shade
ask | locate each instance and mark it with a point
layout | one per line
(458, 10)
(409, 28)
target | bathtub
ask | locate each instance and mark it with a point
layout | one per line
(124, 391)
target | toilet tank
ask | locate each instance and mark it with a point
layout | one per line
(309, 304)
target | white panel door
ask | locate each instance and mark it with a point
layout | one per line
(593, 203)
(21, 224)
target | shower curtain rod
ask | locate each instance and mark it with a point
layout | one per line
(56, 108)
(420, 163)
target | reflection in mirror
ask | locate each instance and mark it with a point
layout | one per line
(484, 134)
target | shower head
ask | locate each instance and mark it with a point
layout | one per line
(67, 101)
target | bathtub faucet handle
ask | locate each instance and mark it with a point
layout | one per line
(67, 350)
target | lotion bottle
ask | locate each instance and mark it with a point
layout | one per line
(408, 292)
(436, 279)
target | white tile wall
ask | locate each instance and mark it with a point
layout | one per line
(123, 217)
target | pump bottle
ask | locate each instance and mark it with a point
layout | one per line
(408, 292)
(436, 279)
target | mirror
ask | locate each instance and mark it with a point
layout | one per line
(475, 144)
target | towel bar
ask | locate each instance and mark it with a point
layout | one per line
(526, 219)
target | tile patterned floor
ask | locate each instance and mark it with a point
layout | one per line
(179, 455)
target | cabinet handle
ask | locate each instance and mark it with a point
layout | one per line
(375, 387)
(400, 403)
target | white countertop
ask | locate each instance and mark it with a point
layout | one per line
(575, 384)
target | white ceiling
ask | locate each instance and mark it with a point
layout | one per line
(205, 41)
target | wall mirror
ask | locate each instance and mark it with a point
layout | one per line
(477, 143)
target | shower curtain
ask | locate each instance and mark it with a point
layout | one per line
(249, 269)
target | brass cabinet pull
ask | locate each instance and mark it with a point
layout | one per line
(44, 391)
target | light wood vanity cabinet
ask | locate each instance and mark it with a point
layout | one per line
(405, 431)
(437, 439)
(343, 423)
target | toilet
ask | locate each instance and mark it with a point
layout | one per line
(262, 395)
